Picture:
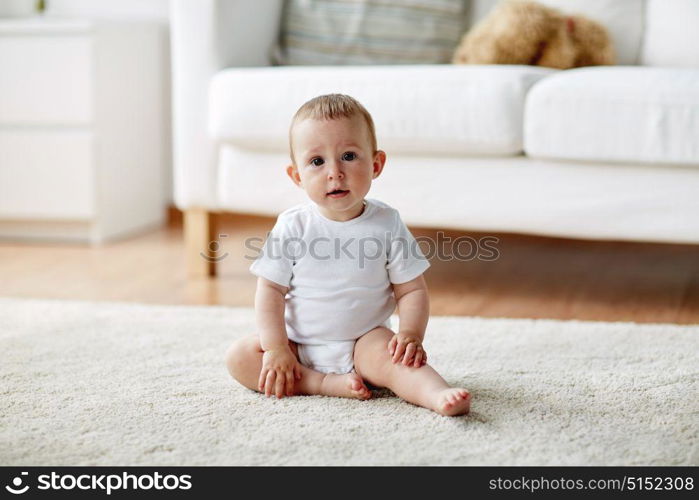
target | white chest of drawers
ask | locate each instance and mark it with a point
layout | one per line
(82, 136)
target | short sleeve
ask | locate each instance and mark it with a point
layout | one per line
(405, 259)
(275, 261)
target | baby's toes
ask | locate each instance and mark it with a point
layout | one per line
(367, 393)
(358, 388)
(454, 402)
(364, 392)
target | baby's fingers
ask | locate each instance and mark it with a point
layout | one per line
(399, 351)
(261, 380)
(269, 383)
(281, 383)
(392, 345)
(418, 357)
(409, 353)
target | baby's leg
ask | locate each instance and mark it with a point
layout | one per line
(421, 386)
(244, 363)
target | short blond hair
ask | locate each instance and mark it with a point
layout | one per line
(332, 107)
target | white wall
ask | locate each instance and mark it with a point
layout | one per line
(151, 10)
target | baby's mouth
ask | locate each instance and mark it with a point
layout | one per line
(338, 193)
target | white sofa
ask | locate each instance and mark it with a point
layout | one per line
(608, 153)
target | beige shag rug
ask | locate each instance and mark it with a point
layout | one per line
(125, 384)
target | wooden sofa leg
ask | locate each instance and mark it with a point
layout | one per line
(199, 233)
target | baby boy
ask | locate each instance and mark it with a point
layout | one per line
(332, 272)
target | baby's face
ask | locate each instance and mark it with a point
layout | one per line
(335, 164)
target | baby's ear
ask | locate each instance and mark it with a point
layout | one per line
(293, 174)
(379, 162)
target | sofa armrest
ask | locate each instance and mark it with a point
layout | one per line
(207, 36)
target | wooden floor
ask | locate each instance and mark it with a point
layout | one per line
(533, 277)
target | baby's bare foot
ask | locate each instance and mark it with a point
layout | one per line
(349, 385)
(452, 401)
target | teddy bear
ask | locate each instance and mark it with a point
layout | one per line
(525, 32)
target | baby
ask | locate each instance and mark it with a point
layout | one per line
(331, 274)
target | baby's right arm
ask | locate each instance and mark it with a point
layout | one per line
(279, 365)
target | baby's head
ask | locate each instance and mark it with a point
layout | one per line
(334, 154)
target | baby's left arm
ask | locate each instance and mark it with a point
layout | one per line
(413, 313)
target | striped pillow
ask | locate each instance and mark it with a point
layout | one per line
(328, 32)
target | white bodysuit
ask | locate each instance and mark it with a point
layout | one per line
(339, 276)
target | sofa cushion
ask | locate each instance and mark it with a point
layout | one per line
(516, 194)
(671, 35)
(431, 109)
(625, 114)
(322, 32)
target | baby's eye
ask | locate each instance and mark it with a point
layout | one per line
(349, 156)
(317, 162)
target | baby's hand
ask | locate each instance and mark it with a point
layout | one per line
(279, 370)
(407, 349)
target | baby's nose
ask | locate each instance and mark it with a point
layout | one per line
(335, 172)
